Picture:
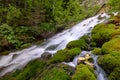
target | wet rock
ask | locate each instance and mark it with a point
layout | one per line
(85, 60)
(89, 63)
(46, 56)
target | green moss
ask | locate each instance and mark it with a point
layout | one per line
(110, 61)
(65, 55)
(81, 43)
(93, 44)
(97, 51)
(103, 33)
(112, 46)
(115, 75)
(84, 73)
(27, 73)
(54, 72)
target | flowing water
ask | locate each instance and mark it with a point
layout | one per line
(17, 60)
(101, 75)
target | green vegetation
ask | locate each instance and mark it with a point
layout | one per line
(114, 5)
(84, 73)
(111, 64)
(81, 43)
(104, 32)
(55, 72)
(97, 51)
(107, 37)
(25, 22)
(65, 55)
(29, 71)
(112, 46)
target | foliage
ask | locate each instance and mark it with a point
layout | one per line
(12, 13)
(8, 34)
(47, 27)
(84, 73)
(114, 5)
(65, 55)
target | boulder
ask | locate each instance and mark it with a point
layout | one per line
(46, 56)
(89, 63)
(84, 59)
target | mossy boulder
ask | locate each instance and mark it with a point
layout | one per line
(27, 73)
(111, 46)
(65, 55)
(84, 72)
(115, 75)
(103, 33)
(97, 51)
(55, 72)
(109, 63)
(81, 43)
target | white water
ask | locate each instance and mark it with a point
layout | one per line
(17, 60)
(101, 75)
(99, 71)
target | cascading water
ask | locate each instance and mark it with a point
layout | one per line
(17, 60)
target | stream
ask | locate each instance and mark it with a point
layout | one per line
(19, 59)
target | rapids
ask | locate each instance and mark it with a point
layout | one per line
(17, 60)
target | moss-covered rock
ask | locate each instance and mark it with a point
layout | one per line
(109, 62)
(84, 72)
(115, 75)
(111, 46)
(27, 73)
(55, 72)
(65, 55)
(102, 33)
(81, 43)
(97, 51)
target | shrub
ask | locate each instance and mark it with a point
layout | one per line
(84, 73)
(97, 51)
(65, 55)
(47, 27)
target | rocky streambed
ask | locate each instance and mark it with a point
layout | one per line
(70, 45)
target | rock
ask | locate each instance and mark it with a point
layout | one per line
(81, 59)
(84, 59)
(46, 56)
(89, 64)
(87, 56)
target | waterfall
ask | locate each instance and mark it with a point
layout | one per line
(17, 60)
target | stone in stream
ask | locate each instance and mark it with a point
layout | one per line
(46, 56)
(85, 60)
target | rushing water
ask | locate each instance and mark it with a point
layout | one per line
(101, 75)
(17, 60)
